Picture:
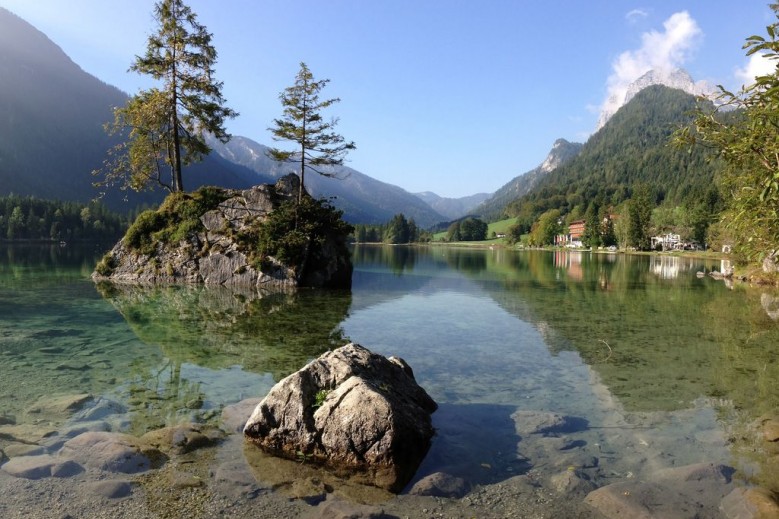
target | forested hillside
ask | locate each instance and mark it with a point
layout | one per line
(632, 148)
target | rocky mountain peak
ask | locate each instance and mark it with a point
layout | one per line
(561, 152)
(678, 78)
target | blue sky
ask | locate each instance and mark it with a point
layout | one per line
(451, 96)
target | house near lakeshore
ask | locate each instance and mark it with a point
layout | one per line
(576, 229)
(573, 238)
(670, 241)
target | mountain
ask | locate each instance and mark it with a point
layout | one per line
(51, 127)
(632, 147)
(679, 79)
(562, 151)
(452, 208)
(51, 138)
(362, 198)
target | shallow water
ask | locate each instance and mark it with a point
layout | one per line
(661, 367)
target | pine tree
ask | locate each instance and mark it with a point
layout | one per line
(592, 228)
(167, 125)
(302, 123)
(640, 215)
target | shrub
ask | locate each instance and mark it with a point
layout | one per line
(295, 232)
(177, 217)
(106, 265)
(140, 234)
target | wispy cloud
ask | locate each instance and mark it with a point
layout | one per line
(636, 14)
(758, 65)
(664, 50)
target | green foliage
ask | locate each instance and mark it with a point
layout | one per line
(177, 218)
(747, 140)
(691, 221)
(164, 126)
(546, 228)
(514, 234)
(592, 228)
(106, 265)
(29, 218)
(320, 397)
(302, 123)
(397, 231)
(294, 232)
(640, 217)
(139, 236)
(469, 229)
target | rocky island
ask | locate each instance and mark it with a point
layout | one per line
(259, 236)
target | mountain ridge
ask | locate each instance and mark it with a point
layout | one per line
(52, 138)
(561, 152)
(363, 199)
(452, 208)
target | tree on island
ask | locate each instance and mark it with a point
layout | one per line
(302, 123)
(167, 125)
(747, 140)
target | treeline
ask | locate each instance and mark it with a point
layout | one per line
(30, 218)
(397, 230)
(468, 229)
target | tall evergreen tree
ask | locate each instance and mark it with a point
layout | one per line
(592, 228)
(608, 235)
(640, 215)
(302, 123)
(397, 230)
(167, 124)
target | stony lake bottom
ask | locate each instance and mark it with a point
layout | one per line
(556, 373)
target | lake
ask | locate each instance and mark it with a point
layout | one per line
(556, 373)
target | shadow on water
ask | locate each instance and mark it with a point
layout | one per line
(475, 442)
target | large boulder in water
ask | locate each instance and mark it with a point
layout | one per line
(356, 412)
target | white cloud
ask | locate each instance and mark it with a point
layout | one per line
(635, 14)
(758, 65)
(666, 51)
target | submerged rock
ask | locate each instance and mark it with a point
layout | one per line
(351, 410)
(30, 467)
(112, 452)
(440, 484)
(750, 503)
(675, 493)
(181, 439)
(546, 423)
(110, 489)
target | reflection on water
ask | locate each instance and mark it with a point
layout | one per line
(665, 367)
(219, 327)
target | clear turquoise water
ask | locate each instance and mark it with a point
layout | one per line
(654, 358)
